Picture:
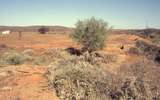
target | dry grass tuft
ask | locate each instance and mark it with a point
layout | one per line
(14, 58)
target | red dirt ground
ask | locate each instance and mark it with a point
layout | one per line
(25, 83)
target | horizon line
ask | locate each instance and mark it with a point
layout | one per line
(72, 27)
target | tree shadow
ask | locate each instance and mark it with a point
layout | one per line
(74, 51)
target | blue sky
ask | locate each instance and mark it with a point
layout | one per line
(118, 13)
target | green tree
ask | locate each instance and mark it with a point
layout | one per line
(91, 33)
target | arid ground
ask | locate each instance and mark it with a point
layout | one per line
(27, 81)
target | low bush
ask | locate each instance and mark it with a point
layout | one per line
(51, 55)
(98, 58)
(14, 58)
(77, 80)
(42, 60)
(149, 50)
(143, 81)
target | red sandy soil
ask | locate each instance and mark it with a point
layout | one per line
(25, 83)
(37, 41)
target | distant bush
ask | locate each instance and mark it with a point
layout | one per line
(91, 33)
(151, 34)
(3, 46)
(43, 30)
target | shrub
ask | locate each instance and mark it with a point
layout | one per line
(156, 38)
(14, 58)
(143, 80)
(42, 60)
(98, 58)
(43, 30)
(78, 80)
(3, 46)
(149, 50)
(51, 55)
(91, 33)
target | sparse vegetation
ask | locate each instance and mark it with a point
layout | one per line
(149, 50)
(91, 33)
(156, 38)
(44, 56)
(78, 79)
(145, 78)
(14, 58)
(108, 74)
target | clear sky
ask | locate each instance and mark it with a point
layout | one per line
(118, 13)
